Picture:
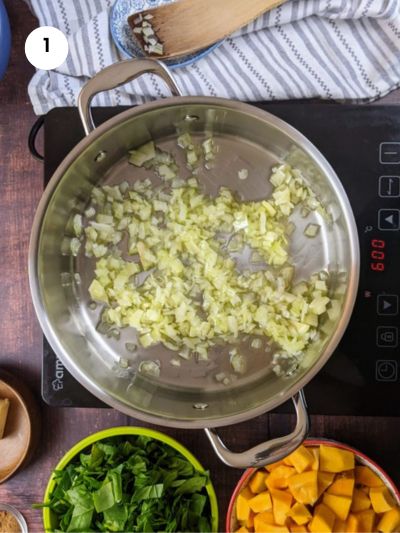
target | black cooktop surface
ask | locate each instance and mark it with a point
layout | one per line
(363, 145)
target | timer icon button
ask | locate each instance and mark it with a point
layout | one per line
(386, 370)
(386, 336)
(389, 219)
(387, 304)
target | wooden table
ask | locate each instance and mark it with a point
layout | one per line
(21, 338)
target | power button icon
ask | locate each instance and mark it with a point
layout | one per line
(386, 370)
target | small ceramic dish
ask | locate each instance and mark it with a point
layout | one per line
(49, 518)
(231, 524)
(125, 41)
(17, 515)
(17, 441)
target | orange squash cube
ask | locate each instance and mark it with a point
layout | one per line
(281, 503)
(315, 463)
(301, 459)
(300, 514)
(323, 520)
(242, 529)
(365, 476)
(340, 505)
(366, 520)
(304, 487)
(260, 503)
(325, 480)
(272, 466)
(257, 481)
(242, 504)
(353, 524)
(361, 501)
(250, 521)
(278, 478)
(389, 521)
(343, 485)
(336, 460)
(339, 526)
(381, 499)
(294, 528)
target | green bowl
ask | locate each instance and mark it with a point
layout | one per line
(49, 519)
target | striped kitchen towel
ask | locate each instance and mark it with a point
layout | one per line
(332, 49)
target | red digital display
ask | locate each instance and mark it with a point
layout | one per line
(377, 255)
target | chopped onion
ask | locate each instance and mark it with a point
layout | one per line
(238, 363)
(312, 230)
(256, 344)
(243, 174)
(150, 368)
(164, 262)
(131, 347)
(141, 155)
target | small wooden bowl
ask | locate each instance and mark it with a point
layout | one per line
(17, 440)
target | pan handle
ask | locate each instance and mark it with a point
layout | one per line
(270, 451)
(116, 75)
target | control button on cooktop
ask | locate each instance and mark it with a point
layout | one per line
(386, 370)
(386, 336)
(389, 186)
(389, 153)
(387, 304)
(389, 219)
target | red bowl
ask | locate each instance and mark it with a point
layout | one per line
(360, 458)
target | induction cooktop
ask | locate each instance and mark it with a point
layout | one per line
(362, 143)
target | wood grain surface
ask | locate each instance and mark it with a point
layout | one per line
(20, 336)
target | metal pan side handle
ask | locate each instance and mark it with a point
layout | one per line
(116, 75)
(270, 451)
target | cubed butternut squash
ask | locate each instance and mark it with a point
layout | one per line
(264, 523)
(278, 478)
(361, 501)
(257, 481)
(389, 521)
(353, 524)
(381, 499)
(301, 459)
(300, 514)
(250, 521)
(242, 504)
(304, 487)
(266, 516)
(343, 485)
(339, 526)
(242, 529)
(365, 476)
(315, 463)
(323, 520)
(336, 460)
(294, 528)
(260, 503)
(340, 505)
(366, 520)
(287, 461)
(281, 504)
(272, 466)
(325, 480)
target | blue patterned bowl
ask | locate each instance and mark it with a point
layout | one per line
(125, 40)
(5, 39)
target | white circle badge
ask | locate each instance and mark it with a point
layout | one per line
(46, 48)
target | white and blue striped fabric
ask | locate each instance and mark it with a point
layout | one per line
(332, 49)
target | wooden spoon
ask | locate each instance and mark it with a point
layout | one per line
(186, 26)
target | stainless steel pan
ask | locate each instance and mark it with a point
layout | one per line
(188, 397)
